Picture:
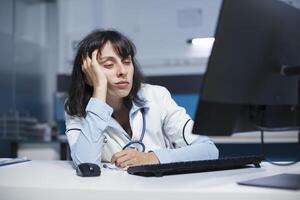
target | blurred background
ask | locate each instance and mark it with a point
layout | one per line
(38, 41)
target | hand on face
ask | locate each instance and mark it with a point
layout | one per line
(95, 75)
(131, 157)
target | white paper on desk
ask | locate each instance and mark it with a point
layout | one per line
(10, 161)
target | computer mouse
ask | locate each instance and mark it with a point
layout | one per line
(88, 170)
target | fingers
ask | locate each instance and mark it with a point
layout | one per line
(124, 161)
(87, 61)
(87, 67)
(118, 155)
(125, 158)
(86, 70)
(83, 66)
(127, 163)
(94, 56)
(95, 75)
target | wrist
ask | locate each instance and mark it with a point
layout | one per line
(153, 158)
(100, 93)
(100, 84)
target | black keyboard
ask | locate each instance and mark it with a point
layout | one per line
(195, 166)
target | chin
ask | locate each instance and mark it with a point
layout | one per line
(121, 93)
(124, 94)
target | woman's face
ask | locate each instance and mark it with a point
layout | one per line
(118, 71)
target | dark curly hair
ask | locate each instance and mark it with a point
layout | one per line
(79, 92)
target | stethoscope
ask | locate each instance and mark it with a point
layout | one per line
(132, 144)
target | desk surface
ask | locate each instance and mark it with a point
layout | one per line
(58, 180)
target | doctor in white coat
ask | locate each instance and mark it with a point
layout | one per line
(112, 116)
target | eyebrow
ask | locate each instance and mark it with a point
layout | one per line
(103, 59)
(107, 58)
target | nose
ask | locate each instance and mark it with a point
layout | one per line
(122, 71)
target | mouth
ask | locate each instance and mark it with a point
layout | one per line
(122, 84)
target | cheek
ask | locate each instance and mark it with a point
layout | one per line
(131, 72)
(109, 74)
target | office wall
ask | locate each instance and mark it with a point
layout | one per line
(160, 32)
(159, 29)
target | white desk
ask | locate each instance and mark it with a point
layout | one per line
(57, 180)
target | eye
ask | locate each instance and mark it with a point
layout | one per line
(127, 62)
(108, 65)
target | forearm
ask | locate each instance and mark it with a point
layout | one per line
(86, 136)
(85, 151)
(202, 149)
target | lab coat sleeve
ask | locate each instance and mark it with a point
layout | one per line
(85, 134)
(201, 149)
(177, 126)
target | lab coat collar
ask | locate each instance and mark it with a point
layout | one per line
(136, 107)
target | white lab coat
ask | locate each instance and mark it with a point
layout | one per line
(167, 126)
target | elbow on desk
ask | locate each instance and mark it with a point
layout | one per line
(84, 155)
(208, 148)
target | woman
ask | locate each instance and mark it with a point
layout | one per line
(112, 116)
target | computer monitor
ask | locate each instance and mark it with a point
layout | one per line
(251, 80)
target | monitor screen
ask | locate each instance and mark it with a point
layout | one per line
(245, 86)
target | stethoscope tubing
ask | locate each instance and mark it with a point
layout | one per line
(140, 141)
